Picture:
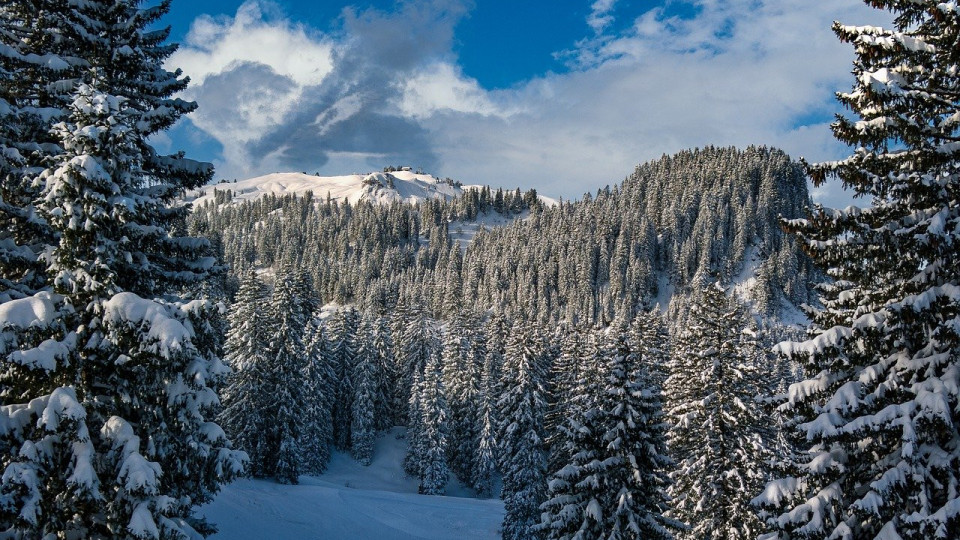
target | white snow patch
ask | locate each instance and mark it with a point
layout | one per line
(37, 310)
(351, 501)
(169, 334)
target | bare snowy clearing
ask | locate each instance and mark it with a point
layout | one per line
(350, 502)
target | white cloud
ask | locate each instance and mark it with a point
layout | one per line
(442, 87)
(213, 45)
(739, 72)
(601, 15)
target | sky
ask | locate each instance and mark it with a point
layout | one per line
(563, 96)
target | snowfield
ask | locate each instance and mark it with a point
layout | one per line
(353, 502)
(383, 188)
(376, 187)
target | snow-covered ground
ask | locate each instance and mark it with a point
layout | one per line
(401, 186)
(353, 502)
(377, 187)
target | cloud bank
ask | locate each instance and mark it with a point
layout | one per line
(386, 89)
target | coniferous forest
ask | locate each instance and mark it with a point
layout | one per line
(629, 365)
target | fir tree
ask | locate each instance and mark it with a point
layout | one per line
(246, 351)
(613, 484)
(880, 405)
(520, 412)
(363, 426)
(344, 326)
(319, 380)
(433, 437)
(716, 424)
(125, 385)
(285, 388)
(386, 374)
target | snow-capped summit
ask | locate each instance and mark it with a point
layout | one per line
(380, 187)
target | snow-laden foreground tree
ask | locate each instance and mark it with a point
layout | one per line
(107, 390)
(717, 428)
(881, 399)
(613, 481)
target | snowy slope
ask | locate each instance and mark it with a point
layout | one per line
(353, 502)
(403, 186)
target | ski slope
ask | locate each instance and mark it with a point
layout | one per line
(353, 502)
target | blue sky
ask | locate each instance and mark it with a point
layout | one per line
(531, 94)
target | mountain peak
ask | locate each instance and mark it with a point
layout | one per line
(376, 187)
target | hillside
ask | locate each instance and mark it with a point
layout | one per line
(378, 187)
(711, 211)
(350, 501)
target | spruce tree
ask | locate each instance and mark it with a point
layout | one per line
(112, 390)
(880, 404)
(634, 453)
(386, 374)
(246, 352)
(319, 384)
(284, 382)
(613, 484)
(520, 412)
(433, 438)
(343, 329)
(363, 426)
(715, 421)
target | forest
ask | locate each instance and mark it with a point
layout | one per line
(625, 365)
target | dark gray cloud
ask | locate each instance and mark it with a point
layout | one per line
(277, 122)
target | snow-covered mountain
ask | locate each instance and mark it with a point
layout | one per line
(379, 187)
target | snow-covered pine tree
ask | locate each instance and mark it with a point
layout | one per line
(486, 453)
(386, 374)
(573, 505)
(413, 460)
(285, 387)
(318, 399)
(461, 379)
(246, 351)
(715, 422)
(434, 472)
(881, 403)
(567, 387)
(633, 454)
(363, 428)
(614, 482)
(343, 328)
(33, 63)
(106, 419)
(487, 450)
(520, 412)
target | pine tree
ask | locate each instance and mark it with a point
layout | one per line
(344, 326)
(520, 412)
(285, 388)
(461, 378)
(634, 446)
(387, 377)
(716, 424)
(246, 352)
(575, 486)
(363, 426)
(126, 385)
(319, 390)
(433, 406)
(613, 483)
(880, 405)
(34, 61)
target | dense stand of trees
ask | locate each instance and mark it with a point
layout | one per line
(509, 364)
(536, 355)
